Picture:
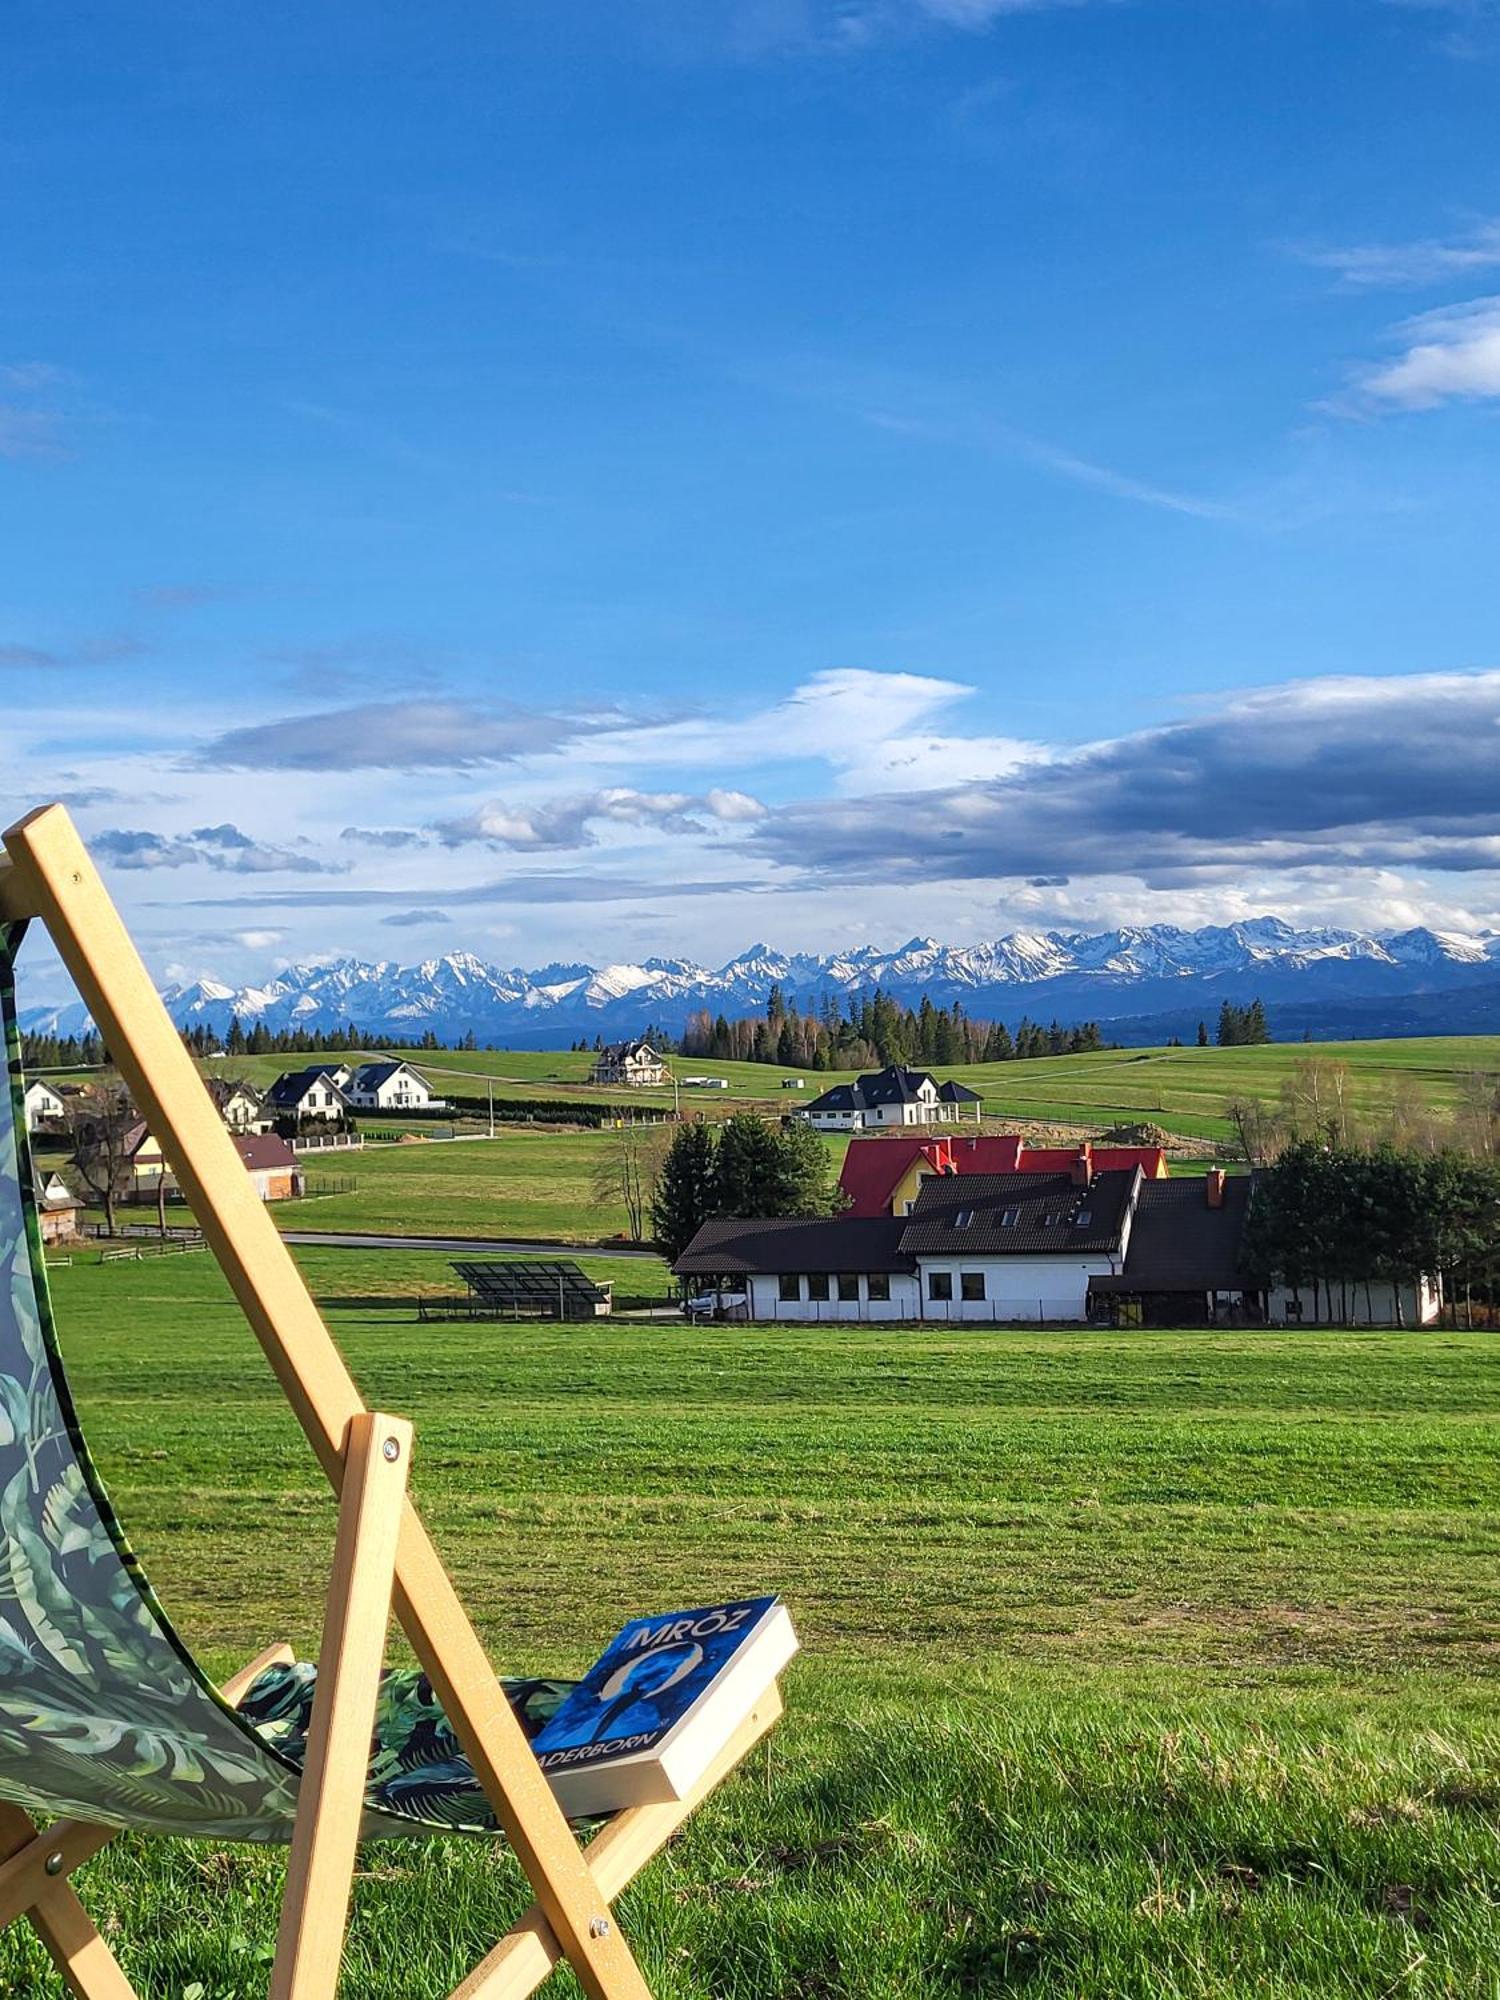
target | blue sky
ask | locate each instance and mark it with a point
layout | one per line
(577, 481)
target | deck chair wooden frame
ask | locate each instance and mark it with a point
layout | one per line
(383, 1558)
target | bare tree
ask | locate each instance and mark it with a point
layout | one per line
(1257, 1128)
(1478, 1114)
(101, 1118)
(1414, 1126)
(625, 1175)
(1315, 1101)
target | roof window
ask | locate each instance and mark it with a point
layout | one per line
(1009, 1217)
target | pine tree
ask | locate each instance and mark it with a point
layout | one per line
(805, 1172)
(1203, 1034)
(747, 1176)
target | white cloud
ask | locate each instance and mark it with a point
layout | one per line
(873, 730)
(1346, 773)
(1424, 262)
(1450, 354)
(733, 806)
(570, 821)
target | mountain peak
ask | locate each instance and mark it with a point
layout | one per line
(1130, 974)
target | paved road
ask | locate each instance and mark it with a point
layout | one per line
(484, 1245)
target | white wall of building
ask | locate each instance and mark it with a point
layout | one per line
(402, 1091)
(43, 1105)
(904, 1302)
(1015, 1288)
(1044, 1288)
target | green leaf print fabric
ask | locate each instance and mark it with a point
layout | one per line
(103, 1712)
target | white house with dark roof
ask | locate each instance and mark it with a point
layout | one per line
(390, 1086)
(239, 1104)
(310, 1096)
(1115, 1246)
(988, 1247)
(888, 1098)
(635, 1062)
(45, 1110)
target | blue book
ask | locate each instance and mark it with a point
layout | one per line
(661, 1701)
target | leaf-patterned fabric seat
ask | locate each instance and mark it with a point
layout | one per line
(417, 1767)
(104, 1713)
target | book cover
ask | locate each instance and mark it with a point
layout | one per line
(645, 1685)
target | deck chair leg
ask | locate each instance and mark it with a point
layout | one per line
(88, 1966)
(331, 1802)
(59, 1919)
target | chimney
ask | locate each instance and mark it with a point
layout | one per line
(1213, 1187)
(1083, 1166)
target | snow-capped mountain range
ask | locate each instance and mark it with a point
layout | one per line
(1147, 981)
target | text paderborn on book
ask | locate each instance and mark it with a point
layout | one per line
(654, 1710)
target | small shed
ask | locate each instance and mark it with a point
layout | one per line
(57, 1209)
(274, 1169)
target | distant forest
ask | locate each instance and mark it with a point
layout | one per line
(52, 1052)
(871, 1030)
(864, 1032)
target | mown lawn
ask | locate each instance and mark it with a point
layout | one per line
(1134, 1665)
(521, 1183)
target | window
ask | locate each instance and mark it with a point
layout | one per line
(1009, 1217)
(940, 1284)
(971, 1285)
(848, 1288)
(1083, 1218)
(963, 1219)
(817, 1284)
(1051, 1221)
(788, 1289)
(878, 1287)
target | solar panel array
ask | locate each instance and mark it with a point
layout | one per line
(556, 1289)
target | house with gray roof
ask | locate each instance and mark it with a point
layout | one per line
(390, 1086)
(1113, 1247)
(888, 1098)
(988, 1247)
(634, 1062)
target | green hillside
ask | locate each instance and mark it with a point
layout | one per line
(1183, 1090)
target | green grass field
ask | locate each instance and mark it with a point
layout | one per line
(521, 1183)
(1183, 1090)
(1159, 1664)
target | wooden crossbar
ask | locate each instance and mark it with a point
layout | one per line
(47, 874)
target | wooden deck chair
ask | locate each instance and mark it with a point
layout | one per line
(106, 1721)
